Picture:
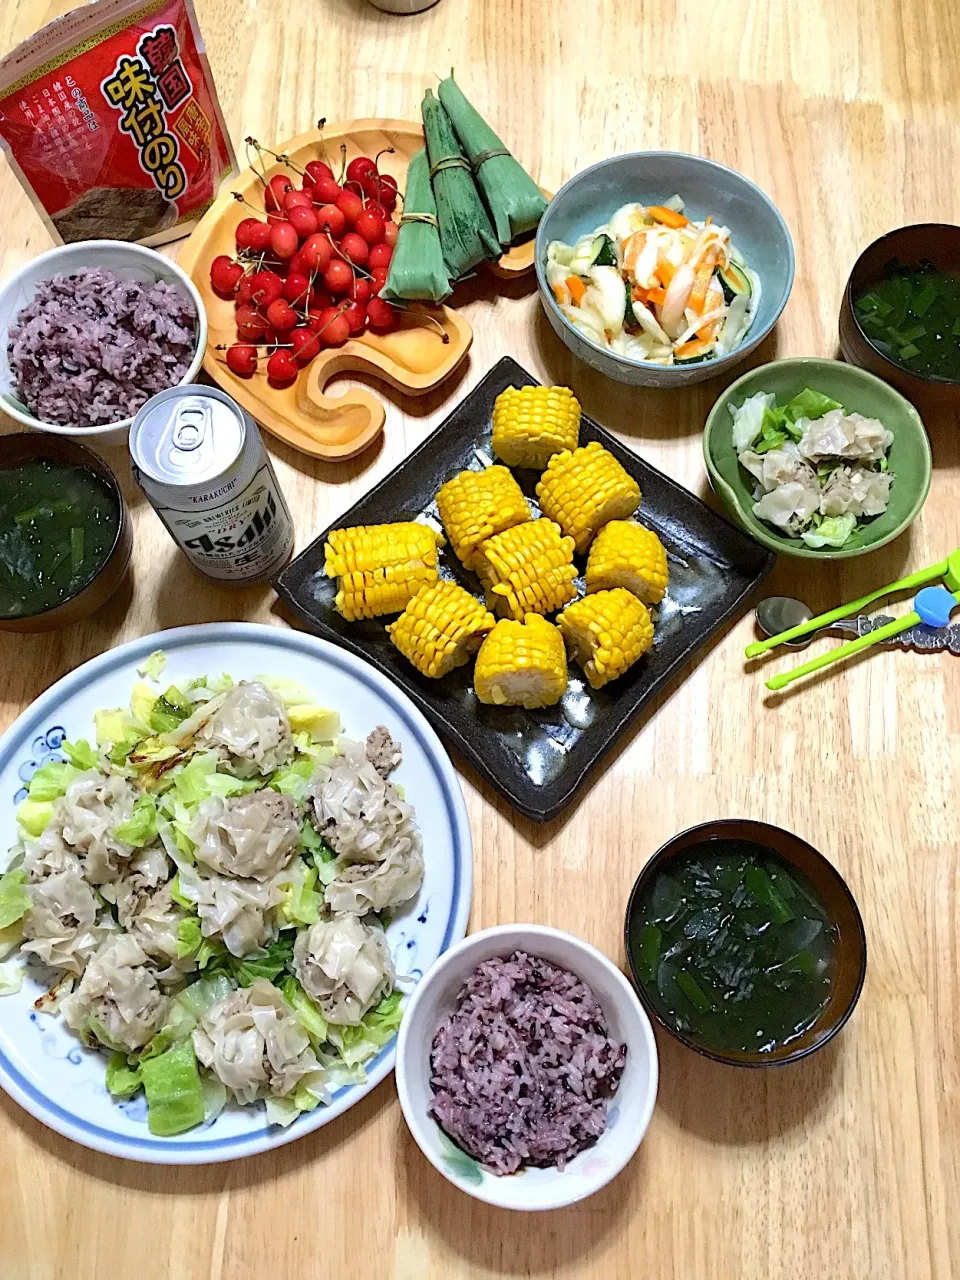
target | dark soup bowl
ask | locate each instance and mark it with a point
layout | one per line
(925, 246)
(745, 943)
(63, 524)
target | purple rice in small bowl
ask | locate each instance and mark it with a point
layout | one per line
(91, 331)
(526, 1068)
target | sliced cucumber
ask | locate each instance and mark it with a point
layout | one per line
(709, 355)
(603, 254)
(734, 282)
(630, 320)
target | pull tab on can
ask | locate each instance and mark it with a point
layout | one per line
(200, 460)
(191, 427)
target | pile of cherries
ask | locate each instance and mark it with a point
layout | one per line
(308, 275)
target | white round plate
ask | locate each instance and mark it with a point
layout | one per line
(42, 1065)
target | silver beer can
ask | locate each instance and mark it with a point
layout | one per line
(200, 460)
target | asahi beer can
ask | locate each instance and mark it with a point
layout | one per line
(200, 460)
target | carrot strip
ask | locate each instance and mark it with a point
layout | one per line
(638, 294)
(698, 294)
(559, 294)
(632, 249)
(577, 289)
(667, 216)
(688, 349)
(657, 296)
(709, 331)
(664, 272)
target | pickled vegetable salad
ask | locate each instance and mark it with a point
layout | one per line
(656, 287)
(204, 887)
(819, 472)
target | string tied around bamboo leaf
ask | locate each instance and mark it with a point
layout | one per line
(430, 219)
(490, 154)
(449, 162)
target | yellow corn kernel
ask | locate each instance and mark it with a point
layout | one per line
(527, 569)
(380, 567)
(475, 505)
(441, 628)
(606, 633)
(531, 424)
(521, 664)
(625, 554)
(585, 489)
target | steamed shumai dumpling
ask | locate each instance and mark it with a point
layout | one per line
(345, 965)
(252, 836)
(251, 730)
(360, 887)
(358, 811)
(119, 994)
(83, 822)
(238, 911)
(62, 927)
(253, 1042)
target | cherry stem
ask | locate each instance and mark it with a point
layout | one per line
(343, 163)
(270, 346)
(321, 125)
(242, 199)
(252, 142)
(355, 266)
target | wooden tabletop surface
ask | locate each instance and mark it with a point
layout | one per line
(846, 1165)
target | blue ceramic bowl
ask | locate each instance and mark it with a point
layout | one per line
(592, 197)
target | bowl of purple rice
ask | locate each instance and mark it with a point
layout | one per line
(526, 1067)
(90, 332)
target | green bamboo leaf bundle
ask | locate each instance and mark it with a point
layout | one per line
(466, 235)
(417, 272)
(512, 196)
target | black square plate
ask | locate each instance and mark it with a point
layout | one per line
(538, 759)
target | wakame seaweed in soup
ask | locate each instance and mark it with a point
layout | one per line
(734, 947)
(912, 316)
(58, 525)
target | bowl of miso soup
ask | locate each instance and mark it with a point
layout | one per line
(900, 315)
(65, 536)
(745, 943)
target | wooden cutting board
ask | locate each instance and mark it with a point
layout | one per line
(427, 347)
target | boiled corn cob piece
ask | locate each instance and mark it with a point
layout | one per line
(531, 424)
(625, 554)
(606, 633)
(477, 504)
(521, 664)
(380, 567)
(441, 627)
(527, 569)
(584, 489)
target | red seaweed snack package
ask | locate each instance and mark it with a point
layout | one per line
(110, 119)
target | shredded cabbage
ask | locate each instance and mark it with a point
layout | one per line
(153, 667)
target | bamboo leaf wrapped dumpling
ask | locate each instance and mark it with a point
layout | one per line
(512, 196)
(417, 271)
(465, 231)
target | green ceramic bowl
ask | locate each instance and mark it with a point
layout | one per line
(858, 391)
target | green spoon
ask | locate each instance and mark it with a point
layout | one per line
(948, 570)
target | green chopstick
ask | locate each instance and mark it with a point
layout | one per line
(919, 579)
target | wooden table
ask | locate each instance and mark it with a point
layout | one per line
(846, 1165)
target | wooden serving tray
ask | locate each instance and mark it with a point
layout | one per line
(413, 359)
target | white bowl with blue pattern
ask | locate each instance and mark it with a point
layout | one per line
(628, 1112)
(42, 1065)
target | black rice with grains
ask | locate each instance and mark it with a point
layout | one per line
(91, 348)
(523, 1069)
